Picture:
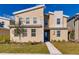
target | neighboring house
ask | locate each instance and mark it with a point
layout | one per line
(58, 26)
(4, 22)
(74, 26)
(4, 29)
(71, 28)
(75, 23)
(39, 27)
(71, 24)
(77, 27)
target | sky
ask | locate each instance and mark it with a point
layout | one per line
(68, 9)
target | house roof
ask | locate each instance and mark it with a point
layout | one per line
(63, 15)
(4, 18)
(51, 12)
(76, 16)
(28, 9)
(66, 16)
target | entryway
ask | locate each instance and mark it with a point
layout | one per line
(46, 35)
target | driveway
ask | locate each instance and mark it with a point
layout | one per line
(52, 49)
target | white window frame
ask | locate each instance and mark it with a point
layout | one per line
(58, 33)
(33, 33)
(58, 21)
(27, 20)
(34, 20)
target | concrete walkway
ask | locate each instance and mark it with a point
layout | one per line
(52, 48)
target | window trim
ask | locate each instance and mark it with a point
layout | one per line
(58, 21)
(33, 33)
(34, 20)
(58, 33)
(20, 20)
(27, 20)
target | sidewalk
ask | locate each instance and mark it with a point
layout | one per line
(52, 48)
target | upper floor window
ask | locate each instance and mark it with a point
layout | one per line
(58, 33)
(20, 20)
(27, 20)
(58, 20)
(34, 20)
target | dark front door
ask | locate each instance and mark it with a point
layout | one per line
(46, 35)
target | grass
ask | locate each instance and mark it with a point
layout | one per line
(4, 38)
(67, 47)
(5, 47)
(24, 48)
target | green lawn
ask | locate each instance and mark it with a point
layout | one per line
(67, 47)
(24, 48)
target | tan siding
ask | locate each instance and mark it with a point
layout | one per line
(64, 35)
(77, 30)
(34, 13)
(52, 24)
(28, 38)
(39, 31)
(51, 21)
(65, 22)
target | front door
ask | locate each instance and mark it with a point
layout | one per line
(46, 35)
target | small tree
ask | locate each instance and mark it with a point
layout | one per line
(19, 30)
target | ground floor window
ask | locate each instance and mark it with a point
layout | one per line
(33, 32)
(58, 33)
(24, 32)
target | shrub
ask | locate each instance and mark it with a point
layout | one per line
(30, 42)
(59, 41)
(63, 40)
(54, 40)
(7, 41)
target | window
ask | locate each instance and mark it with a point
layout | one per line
(58, 33)
(20, 20)
(24, 32)
(33, 32)
(58, 20)
(2, 24)
(34, 20)
(27, 20)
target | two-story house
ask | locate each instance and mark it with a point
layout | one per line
(39, 27)
(77, 27)
(73, 23)
(71, 28)
(32, 19)
(57, 25)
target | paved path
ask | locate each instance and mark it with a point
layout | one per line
(52, 48)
